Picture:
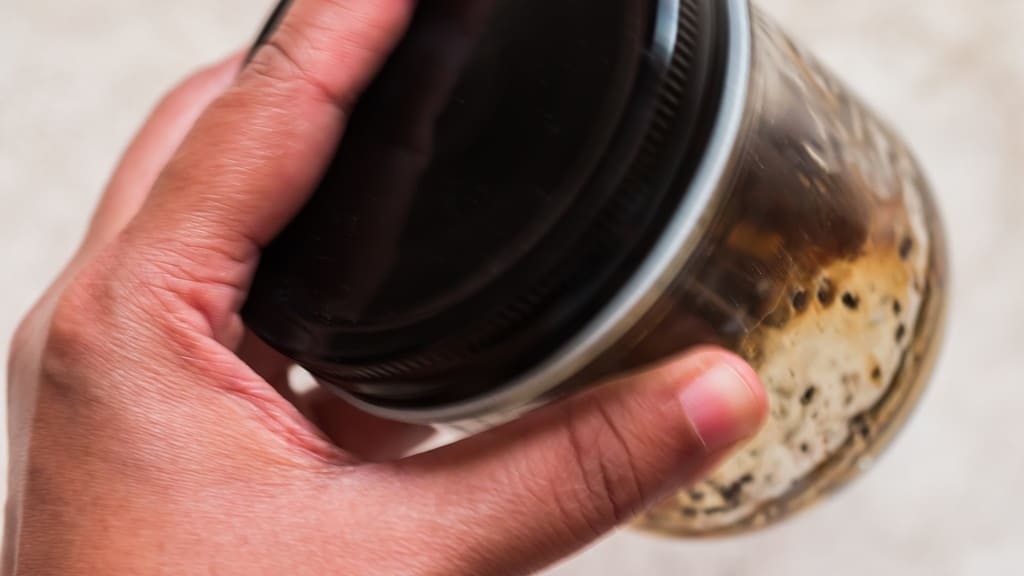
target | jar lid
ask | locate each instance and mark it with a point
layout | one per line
(497, 183)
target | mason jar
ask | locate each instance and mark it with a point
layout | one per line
(534, 196)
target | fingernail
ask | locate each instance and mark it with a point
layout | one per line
(723, 407)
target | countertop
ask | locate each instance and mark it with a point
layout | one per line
(76, 78)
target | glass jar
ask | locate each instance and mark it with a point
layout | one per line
(824, 266)
(736, 195)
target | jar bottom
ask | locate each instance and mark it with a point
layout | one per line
(871, 432)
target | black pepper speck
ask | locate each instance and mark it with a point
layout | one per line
(800, 301)
(861, 426)
(808, 396)
(851, 301)
(731, 493)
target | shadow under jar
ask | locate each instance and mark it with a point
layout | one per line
(512, 217)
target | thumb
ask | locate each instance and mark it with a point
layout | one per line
(541, 488)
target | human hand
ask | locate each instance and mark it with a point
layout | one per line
(151, 434)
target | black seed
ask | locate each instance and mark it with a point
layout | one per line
(689, 512)
(800, 301)
(732, 492)
(696, 496)
(901, 332)
(897, 307)
(851, 301)
(906, 247)
(861, 426)
(805, 448)
(826, 292)
(876, 374)
(808, 396)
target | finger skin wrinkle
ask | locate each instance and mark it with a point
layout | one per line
(632, 488)
(196, 286)
(326, 48)
(546, 496)
(275, 63)
(596, 493)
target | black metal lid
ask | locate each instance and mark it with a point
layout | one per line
(496, 184)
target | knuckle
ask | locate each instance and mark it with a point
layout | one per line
(74, 330)
(274, 61)
(56, 335)
(77, 310)
(130, 299)
(101, 312)
(110, 311)
(607, 473)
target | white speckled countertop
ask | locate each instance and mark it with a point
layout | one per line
(76, 78)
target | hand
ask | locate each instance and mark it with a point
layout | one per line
(150, 434)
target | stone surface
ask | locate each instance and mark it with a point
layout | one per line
(76, 78)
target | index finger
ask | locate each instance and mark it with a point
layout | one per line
(256, 154)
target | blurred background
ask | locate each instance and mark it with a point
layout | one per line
(77, 77)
